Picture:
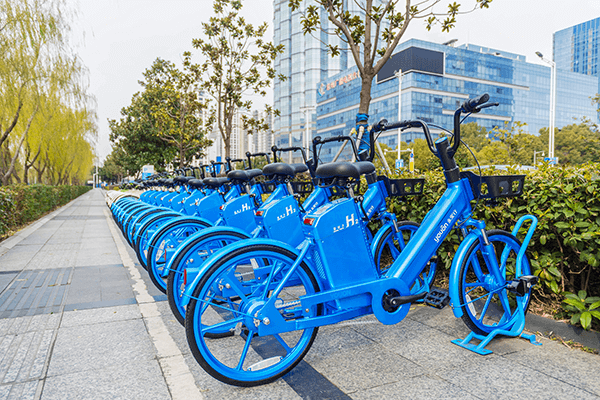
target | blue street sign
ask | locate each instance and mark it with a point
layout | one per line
(399, 163)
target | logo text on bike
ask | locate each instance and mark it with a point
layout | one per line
(289, 210)
(350, 220)
(245, 207)
(445, 226)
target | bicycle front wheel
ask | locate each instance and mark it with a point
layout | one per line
(226, 299)
(486, 303)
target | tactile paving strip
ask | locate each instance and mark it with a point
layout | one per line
(34, 292)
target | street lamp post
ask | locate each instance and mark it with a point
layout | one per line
(307, 126)
(399, 76)
(552, 104)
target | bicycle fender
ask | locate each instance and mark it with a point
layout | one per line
(454, 278)
(378, 236)
(189, 289)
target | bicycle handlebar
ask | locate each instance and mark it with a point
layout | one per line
(319, 141)
(250, 155)
(275, 149)
(469, 106)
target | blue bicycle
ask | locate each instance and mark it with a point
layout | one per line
(273, 297)
(280, 218)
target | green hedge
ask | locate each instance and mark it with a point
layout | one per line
(565, 249)
(20, 204)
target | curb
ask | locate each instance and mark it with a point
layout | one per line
(552, 328)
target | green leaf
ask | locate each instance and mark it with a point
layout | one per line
(594, 306)
(582, 294)
(582, 224)
(586, 320)
(554, 271)
(592, 299)
(575, 319)
(554, 287)
(575, 303)
(595, 314)
(561, 225)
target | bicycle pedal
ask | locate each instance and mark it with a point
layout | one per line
(522, 285)
(437, 298)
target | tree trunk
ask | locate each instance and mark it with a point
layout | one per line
(11, 168)
(365, 93)
(227, 143)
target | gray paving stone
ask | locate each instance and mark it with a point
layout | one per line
(39, 237)
(214, 389)
(55, 256)
(131, 380)
(19, 256)
(98, 256)
(568, 365)
(417, 387)
(100, 316)
(88, 347)
(347, 359)
(495, 377)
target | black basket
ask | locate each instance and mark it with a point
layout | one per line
(302, 187)
(491, 187)
(268, 187)
(402, 187)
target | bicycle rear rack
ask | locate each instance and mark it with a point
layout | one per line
(518, 286)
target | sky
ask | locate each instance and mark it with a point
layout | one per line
(118, 39)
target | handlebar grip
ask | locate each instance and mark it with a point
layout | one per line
(471, 104)
(481, 107)
(400, 125)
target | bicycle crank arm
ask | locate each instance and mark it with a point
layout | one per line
(397, 301)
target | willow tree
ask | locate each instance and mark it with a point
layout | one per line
(372, 34)
(238, 62)
(36, 62)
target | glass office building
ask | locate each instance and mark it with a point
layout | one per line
(437, 78)
(576, 48)
(305, 62)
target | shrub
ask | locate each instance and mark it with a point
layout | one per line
(21, 204)
(565, 249)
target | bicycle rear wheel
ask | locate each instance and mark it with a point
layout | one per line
(229, 295)
(389, 248)
(487, 304)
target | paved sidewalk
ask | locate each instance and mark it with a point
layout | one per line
(80, 319)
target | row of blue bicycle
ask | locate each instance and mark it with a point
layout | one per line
(252, 271)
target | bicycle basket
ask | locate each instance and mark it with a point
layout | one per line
(402, 187)
(490, 187)
(302, 187)
(267, 187)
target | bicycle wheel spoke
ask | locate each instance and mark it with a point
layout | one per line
(222, 326)
(245, 351)
(485, 307)
(283, 344)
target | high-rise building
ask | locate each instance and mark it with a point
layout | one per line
(438, 78)
(262, 140)
(576, 48)
(305, 62)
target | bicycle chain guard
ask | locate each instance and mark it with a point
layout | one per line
(379, 295)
